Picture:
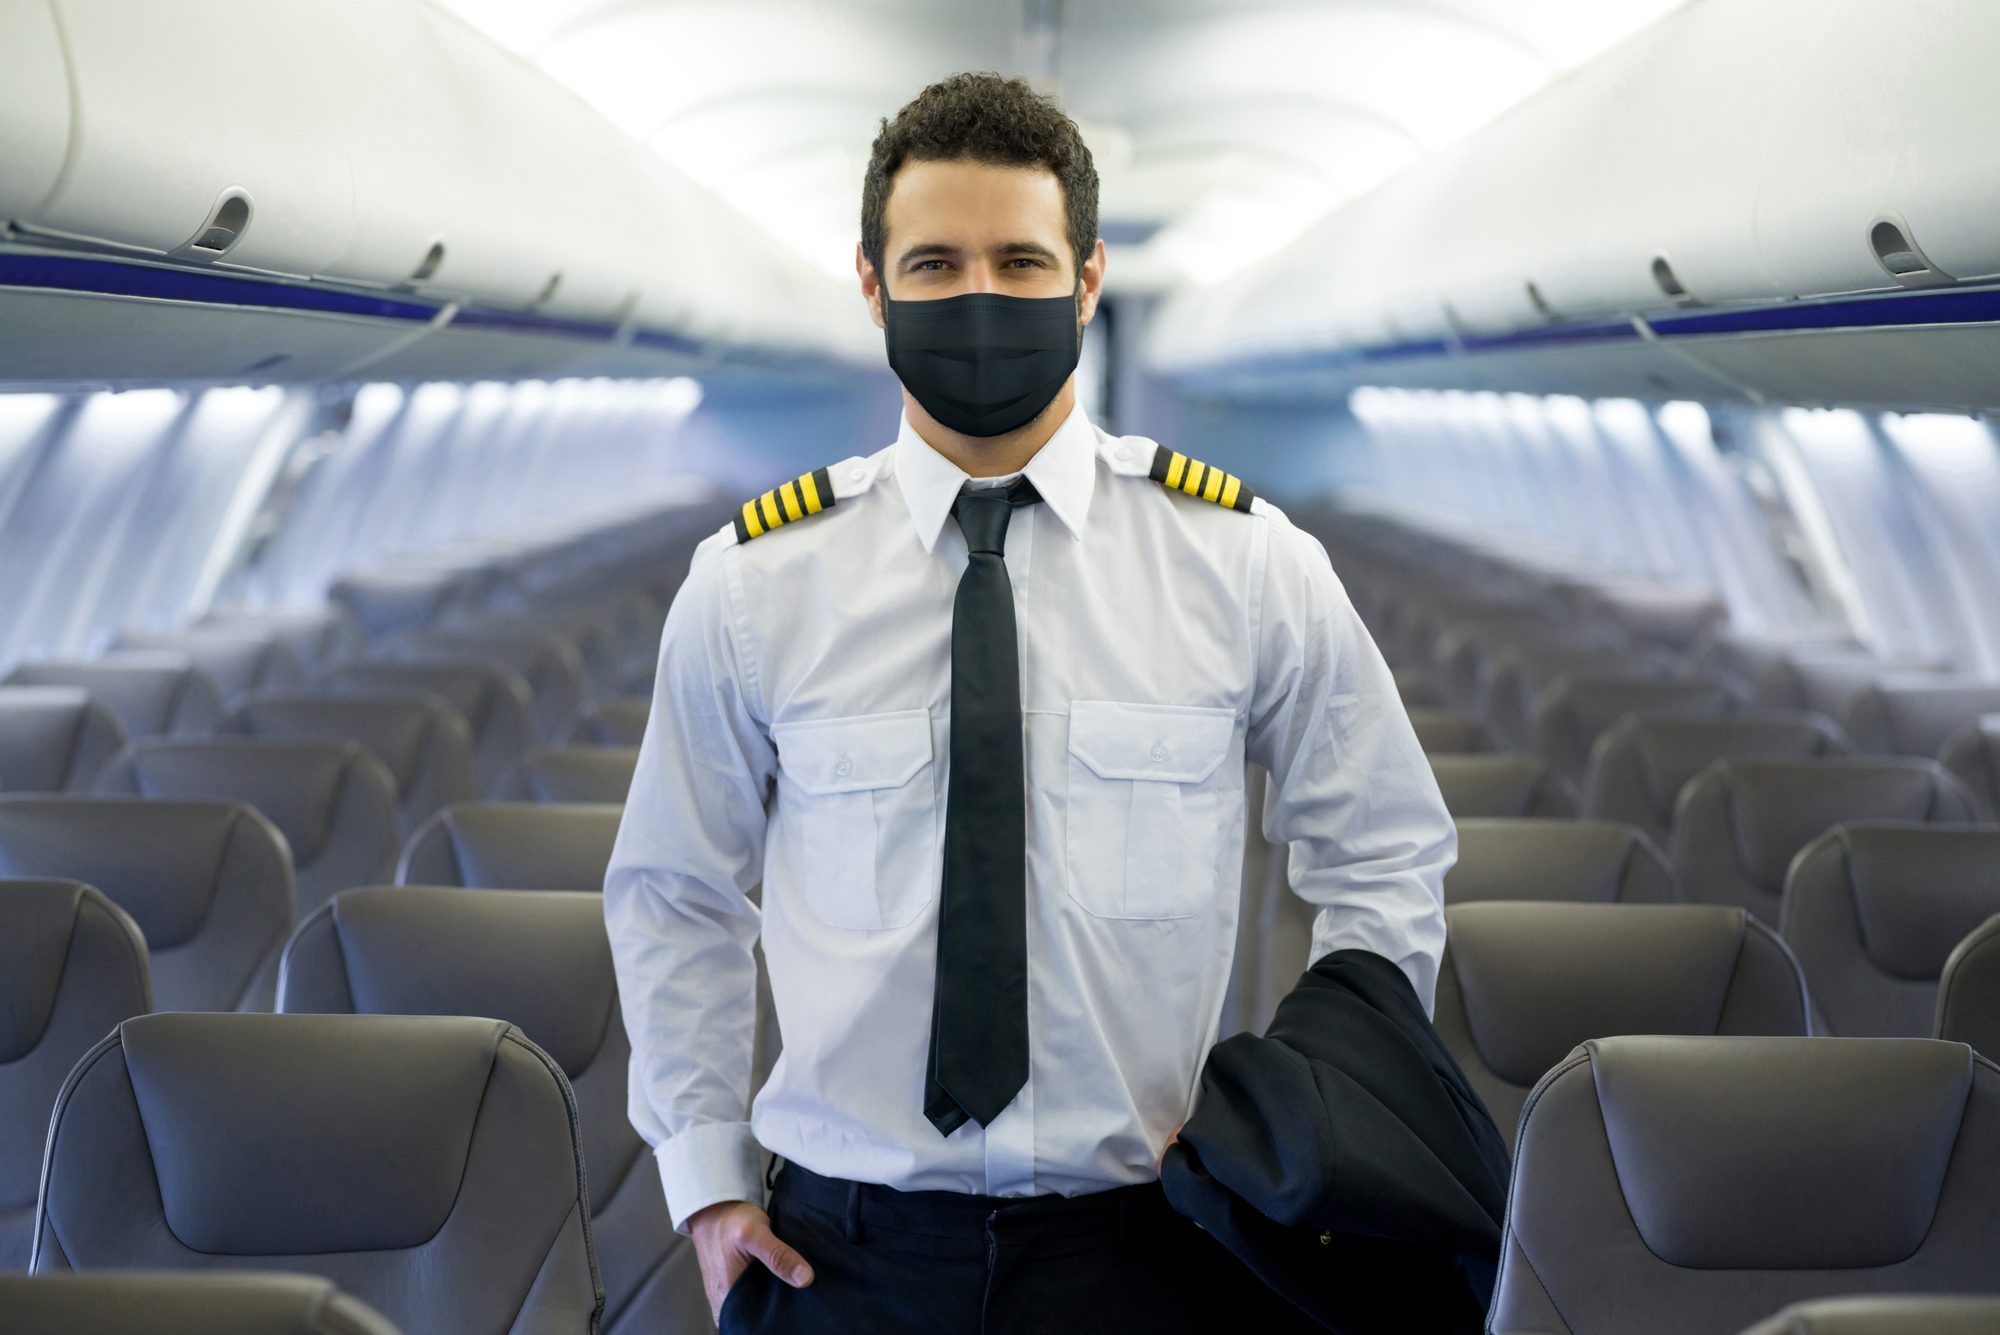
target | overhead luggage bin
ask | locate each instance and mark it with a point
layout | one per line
(34, 106)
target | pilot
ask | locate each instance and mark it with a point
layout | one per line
(974, 711)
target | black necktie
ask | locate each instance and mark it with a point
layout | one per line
(979, 1008)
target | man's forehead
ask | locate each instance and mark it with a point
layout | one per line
(980, 203)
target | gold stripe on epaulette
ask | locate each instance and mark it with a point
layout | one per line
(807, 494)
(1176, 472)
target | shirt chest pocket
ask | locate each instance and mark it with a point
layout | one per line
(863, 812)
(1151, 806)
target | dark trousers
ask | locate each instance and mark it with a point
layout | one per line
(889, 1262)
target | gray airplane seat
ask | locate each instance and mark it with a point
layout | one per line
(1957, 1314)
(425, 744)
(1638, 768)
(1578, 708)
(1518, 674)
(1968, 1009)
(1524, 984)
(1418, 689)
(1874, 910)
(1506, 784)
(1973, 756)
(384, 604)
(54, 739)
(570, 774)
(548, 664)
(72, 966)
(1557, 861)
(540, 960)
(1739, 823)
(195, 1303)
(1444, 732)
(429, 1166)
(490, 697)
(333, 801)
(208, 883)
(1918, 718)
(317, 639)
(612, 723)
(513, 846)
(150, 694)
(1693, 1186)
(236, 662)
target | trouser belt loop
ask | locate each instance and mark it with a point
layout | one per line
(771, 1172)
(854, 1212)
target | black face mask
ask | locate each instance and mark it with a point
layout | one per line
(983, 364)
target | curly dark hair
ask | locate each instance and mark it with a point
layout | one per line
(987, 118)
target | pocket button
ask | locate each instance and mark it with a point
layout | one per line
(1158, 754)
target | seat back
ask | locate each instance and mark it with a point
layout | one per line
(570, 774)
(236, 662)
(54, 739)
(333, 801)
(72, 965)
(539, 960)
(612, 723)
(316, 638)
(1973, 757)
(1873, 911)
(1739, 823)
(1418, 689)
(1502, 785)
(1968, 1009)
(1917, 718)
(1519, 673)
(1577, 708)
(490, 697)
(1691, 1186)
(209, 883)
(424, 742)
(211, 1303)
(1524, 984)
(1638, 767)
(547, 663)
(151, 695)
(1903, 1315)
(1446, 732)
(1557, 861)
(429, 1166)
(513, 846)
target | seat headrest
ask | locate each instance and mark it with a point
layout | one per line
(1539, 979)
(296, 785)
(1781, 1153)
(1917, 718)
(539, 958)
(205, 1302)
(514, 846)
(1931, 1314)
(1777, 807)
(39, 919)
(43, 736)
(394, 728)
(160, 861)
(1483, 785)
(375, 1112)
(1919, 889)
(1588, 862)
(572, 774)
(1673, 749)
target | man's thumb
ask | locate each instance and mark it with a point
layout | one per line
(781, 1260)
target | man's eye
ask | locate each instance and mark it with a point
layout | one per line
(929, 265)
(1026, 262)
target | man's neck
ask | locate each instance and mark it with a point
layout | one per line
(992, 456)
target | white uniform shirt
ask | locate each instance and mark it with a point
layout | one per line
(800, 735)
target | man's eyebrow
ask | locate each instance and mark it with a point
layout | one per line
(930, 250)
(1034, 248)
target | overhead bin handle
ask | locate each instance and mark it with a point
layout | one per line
(228, 219)
(1896, 250)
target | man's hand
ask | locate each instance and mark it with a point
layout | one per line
(729, 1237)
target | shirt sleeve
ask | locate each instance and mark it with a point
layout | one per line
(1351, 790)
(676, 902)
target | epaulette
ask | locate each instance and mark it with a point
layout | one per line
(1176, 472)
(806, 494)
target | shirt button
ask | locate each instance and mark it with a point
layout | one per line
(1158, 753)
(855, 474)
(1124, 454)
(844, 768)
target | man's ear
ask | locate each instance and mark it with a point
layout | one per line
(1090, 284)
(871, 285)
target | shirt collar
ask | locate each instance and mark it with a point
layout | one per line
(1064, 471)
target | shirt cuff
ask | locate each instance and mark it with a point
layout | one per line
(710, 1162)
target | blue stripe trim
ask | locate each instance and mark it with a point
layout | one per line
(1610, 331)
(527, 322)
(1978, 306)
(667, 341)
(72, 273)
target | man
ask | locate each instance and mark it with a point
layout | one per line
(975, 711)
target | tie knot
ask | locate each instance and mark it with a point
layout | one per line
(982, 513)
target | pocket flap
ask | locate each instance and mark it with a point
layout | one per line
(845, 755)
(1164, 743)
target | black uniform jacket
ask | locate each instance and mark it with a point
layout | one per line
(1344, 1157)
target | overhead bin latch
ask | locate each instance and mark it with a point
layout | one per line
(1896, 250)
(228, 219)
